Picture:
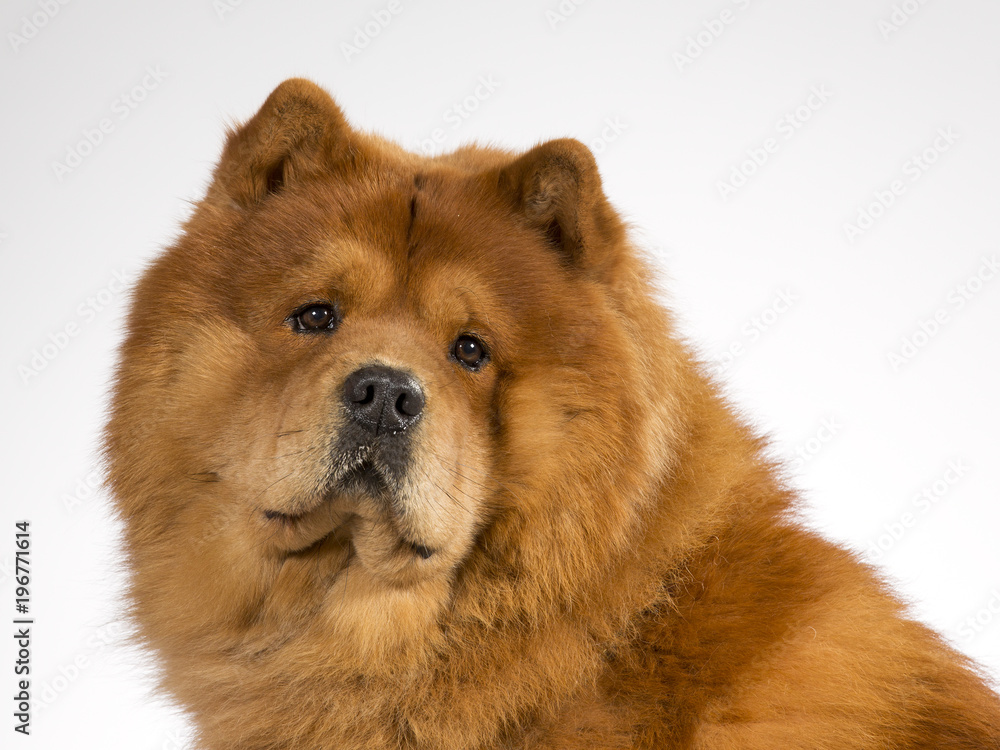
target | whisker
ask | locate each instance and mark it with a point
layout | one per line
(280, 479)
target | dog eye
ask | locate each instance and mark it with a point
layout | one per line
(469, 351)
(316, 317)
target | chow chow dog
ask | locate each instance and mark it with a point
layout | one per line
(408, 456)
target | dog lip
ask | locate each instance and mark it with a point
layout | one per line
(367, 477)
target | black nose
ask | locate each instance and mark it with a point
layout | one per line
(382, 399)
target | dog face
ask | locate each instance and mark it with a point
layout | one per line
(370, 360)
(363, 379)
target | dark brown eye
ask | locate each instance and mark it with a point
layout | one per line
(469, 351)
(314, 318)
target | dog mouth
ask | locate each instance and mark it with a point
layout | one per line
(366, 479)
(291, 522)
(361, 484)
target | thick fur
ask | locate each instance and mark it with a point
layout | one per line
(616, 562)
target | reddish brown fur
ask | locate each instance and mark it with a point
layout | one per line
(617, 563)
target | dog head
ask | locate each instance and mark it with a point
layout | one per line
(363, 379)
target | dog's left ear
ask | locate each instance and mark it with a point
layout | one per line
(557, 188)
(298, 131)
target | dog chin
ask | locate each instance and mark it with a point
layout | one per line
(363, 508)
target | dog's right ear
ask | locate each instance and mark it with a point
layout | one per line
(298, 131)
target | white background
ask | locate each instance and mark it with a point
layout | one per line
(815, 373)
